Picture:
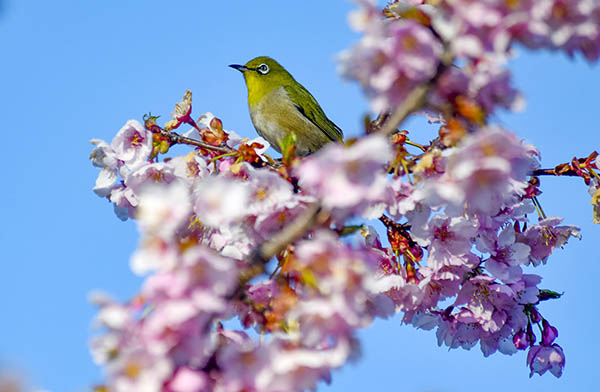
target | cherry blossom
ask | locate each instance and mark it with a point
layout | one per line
(392, 59)
(258, 273)
(353, 184)
(543, 358)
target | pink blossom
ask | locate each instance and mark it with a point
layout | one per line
(454, 333)
(203, 122)
(234, 241)
(350, 179)
(444, 280)
(489, 170)
(544, 237)
(570, 25)
(484, 82)
(298, 369)
(132, 144)
(104, 157)
(125, 201)
(594, 191)
(549, 333)
(405, 296)
(189, 168)
(485, 303)
(463, 211)
(152, 173)
(105, 183)
(448, 239)
(188, 380)
(543, 358)
(506, 255)
(200, 269)
(260, 297)
(138, 370)
(218, 201)
(274, 200)
(125, 195)
(408, 202)
(526, 288)
(522, 340)
(392, 58)
(162, 210)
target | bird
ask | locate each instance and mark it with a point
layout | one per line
(279, 105)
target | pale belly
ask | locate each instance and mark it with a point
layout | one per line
(276, 116)
(270, 130)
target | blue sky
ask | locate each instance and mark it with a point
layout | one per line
(73, 71)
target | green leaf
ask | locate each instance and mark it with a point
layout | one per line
(548, 294)
(288, 146)
(350, 229)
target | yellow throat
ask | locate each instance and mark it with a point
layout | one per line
(280, 105)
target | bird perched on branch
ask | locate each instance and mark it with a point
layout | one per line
(279, 105)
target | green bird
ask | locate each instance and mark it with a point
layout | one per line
(279, 105)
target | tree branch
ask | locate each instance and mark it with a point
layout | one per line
(262, 253)
(553, 172)
(175, 138)
(289, 234)
(413, 101)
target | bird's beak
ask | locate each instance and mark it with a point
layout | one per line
(241, 68)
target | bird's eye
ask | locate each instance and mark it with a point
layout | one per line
(263, 69)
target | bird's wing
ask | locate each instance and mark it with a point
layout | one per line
(313, 112)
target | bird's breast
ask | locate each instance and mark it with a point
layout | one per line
(275, 116)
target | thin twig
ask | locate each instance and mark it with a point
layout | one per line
(176, 138)
(261, 254)
(416, 98)
(289, 234)
(553, 172)
(413, 101)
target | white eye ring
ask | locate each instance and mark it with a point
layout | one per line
(263, 69)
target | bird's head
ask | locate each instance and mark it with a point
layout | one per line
(262, 74)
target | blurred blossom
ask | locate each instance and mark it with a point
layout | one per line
(188, 380)
(162, 210)
(594, 191)
(350, 179)
(569, 25)
(218, 201)
(393, 57)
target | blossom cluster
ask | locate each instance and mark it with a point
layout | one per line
(464, 237)
(415, 42)
(199, 223)
(217, 312)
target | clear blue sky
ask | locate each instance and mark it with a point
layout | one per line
(76, 70)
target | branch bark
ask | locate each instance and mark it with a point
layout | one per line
(553, 172)
(176, 138)
(413, 101)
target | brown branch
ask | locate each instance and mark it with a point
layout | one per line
(553, 172)
(262, 253)
(287, 235)
(412, 102)
(175, 138)
(415, 99)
